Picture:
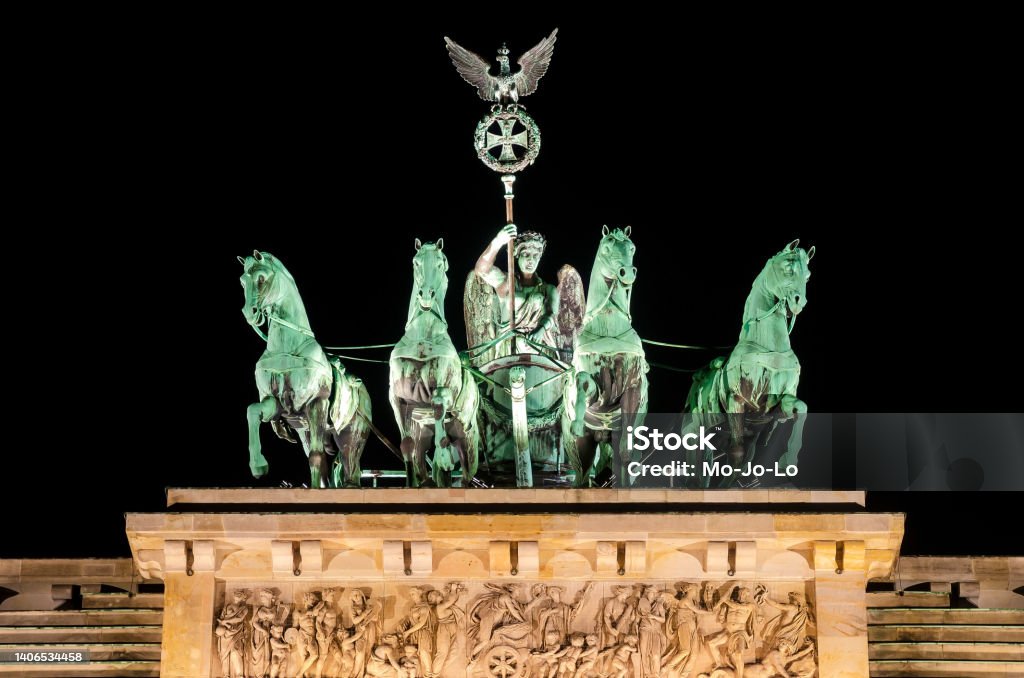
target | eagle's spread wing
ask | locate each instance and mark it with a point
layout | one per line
(533, 65)
(473, 69)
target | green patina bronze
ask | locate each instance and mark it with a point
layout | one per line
(429, 384)
(759, 379)
(520, 421)
(607, 389)
(304, 392)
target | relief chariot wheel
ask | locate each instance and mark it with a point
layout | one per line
(504, 661)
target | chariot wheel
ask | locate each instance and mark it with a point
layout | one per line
(504, 661)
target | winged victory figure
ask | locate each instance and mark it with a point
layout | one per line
(506, 87)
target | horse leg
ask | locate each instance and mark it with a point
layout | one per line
(414, 446)
(737, 453)
(318, 467)
(256, 414)
(633, 411)
(582, 455)
(584, 385)
(798, 408)
(443, 461)
(580, 444)
(466, 449)
(350, 443)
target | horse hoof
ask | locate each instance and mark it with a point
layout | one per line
(259, 471)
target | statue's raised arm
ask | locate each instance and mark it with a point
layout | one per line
(537, 304)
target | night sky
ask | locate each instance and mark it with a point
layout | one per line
(135, 365)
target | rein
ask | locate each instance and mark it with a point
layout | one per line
(610, 299)
(774, 309)
(271, 318)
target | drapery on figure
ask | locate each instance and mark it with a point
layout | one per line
(651, 615)
(365, 614)
(617, 617)
(450, 618)
(268, 614)
(498, 617)
(791, 625)
(231, 634)
(558, 616)
(684, 645)
(545, 314)
(419, 629)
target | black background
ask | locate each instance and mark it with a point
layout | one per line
(153, 158)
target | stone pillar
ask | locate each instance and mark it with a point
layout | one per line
(187, 645)
(841, 608)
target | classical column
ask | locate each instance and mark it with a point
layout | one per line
(187, 646)
(840, 585)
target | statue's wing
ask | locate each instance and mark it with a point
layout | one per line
(479, 303)
(534, 64)
(473, 70)
(571, 306)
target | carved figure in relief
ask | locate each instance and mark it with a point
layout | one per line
(543, 662)
(621, 661)
(365, 614)
(280, 649)
(616, 617)
(326, 628)
(738, 618)
(684, 645)
(343, 654)
(559, 616)
(231, 635)
(588, 658)
(791, 625)
(498, 617)
(383, 660)
(449, 620)
(305, 620)
(539, 602)
(774, 664)
(651, 616)
(410, 662)
(420, 627)
(268, 614)
(570, 655)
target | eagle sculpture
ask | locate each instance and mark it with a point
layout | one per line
(505, 87)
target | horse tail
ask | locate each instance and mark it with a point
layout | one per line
(704, 393)
(468, 406)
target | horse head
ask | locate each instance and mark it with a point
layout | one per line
(430, 279)
(615, 256)
(785, 277)
(264, 283)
